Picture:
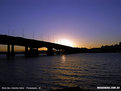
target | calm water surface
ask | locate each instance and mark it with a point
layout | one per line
(87, 70)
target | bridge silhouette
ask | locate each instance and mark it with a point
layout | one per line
(32, 45)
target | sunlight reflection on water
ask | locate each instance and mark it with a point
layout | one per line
(63, 58)
(84, 70)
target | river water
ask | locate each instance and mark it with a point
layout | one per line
(86, 70)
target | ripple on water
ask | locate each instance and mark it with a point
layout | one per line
(84, 70)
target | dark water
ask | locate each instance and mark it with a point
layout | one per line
(87, 70)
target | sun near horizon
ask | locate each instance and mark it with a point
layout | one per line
(65, 42)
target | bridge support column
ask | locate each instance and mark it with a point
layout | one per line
(8, 50)
(12, 51)
(58, 52)
(50, 52)
(31, 49)
(26, 50)
(32, 52)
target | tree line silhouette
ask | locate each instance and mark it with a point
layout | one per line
(103, 49)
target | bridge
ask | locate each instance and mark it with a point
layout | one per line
(31, 46)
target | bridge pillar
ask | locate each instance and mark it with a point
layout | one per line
(58, 52)
(26, 50)
(31, 48)
(32, 52)
(8, 50)
(50, 51)
(12, 51)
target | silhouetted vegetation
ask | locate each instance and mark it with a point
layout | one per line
(103, 49)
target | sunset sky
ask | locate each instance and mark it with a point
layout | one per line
(85, 23)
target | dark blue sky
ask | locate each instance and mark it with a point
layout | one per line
(86, 23)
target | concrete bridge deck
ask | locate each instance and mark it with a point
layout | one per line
(10, 41)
